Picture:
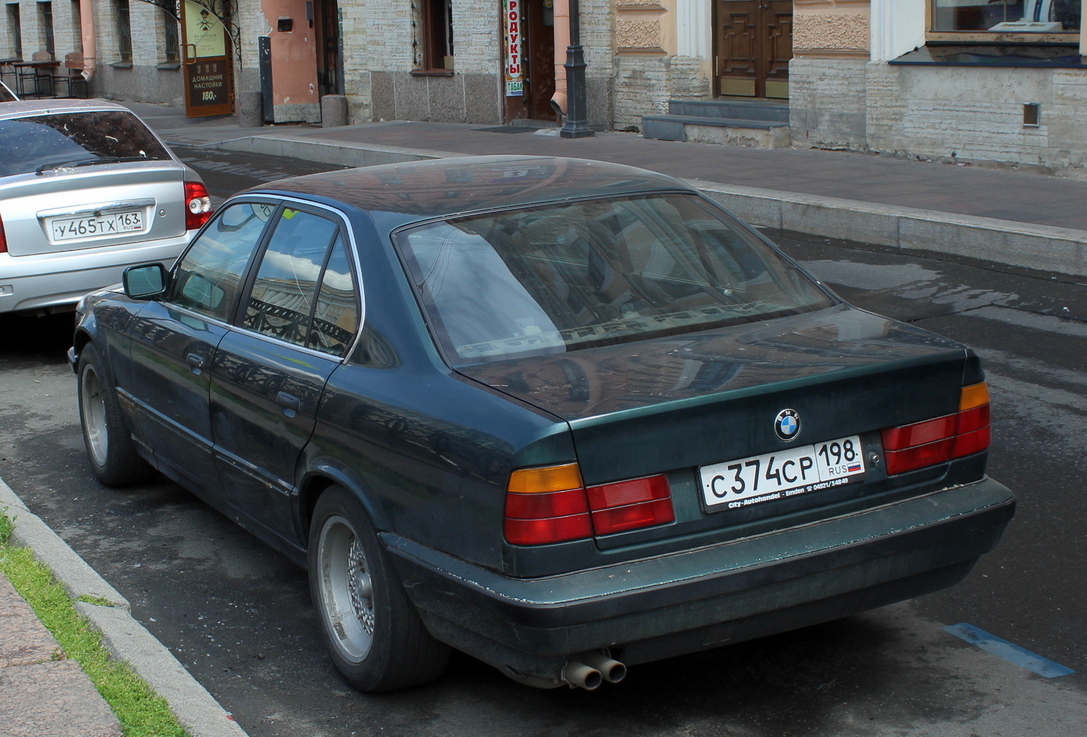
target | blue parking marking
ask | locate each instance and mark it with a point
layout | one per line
(1012, 653)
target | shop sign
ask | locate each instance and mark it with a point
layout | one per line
(209, 83)
(515, 85)
(203, 32)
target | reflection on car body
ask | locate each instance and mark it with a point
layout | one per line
(562, 415)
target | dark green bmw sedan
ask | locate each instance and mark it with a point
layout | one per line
(564, 416)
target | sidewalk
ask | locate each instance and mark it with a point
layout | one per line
(1002, 215)
(42, 692)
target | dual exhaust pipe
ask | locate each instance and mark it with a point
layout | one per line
(589, 671)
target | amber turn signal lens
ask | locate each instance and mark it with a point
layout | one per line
(974, 396)
(545, 479)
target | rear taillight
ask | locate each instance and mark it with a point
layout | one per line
(631, 505)
(551, 504)
(3, 238)
(546, 505)
(942, 439)
(197, 205)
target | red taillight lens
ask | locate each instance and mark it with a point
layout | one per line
(551, 504)
(197, 205)
(940, 440)
(544, 531)
(3, 238)
(630, 505)
(920, 433)
(546, 505)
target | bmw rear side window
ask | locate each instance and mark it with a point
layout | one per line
(42, 142)
(304, 291)
(336, 316)
(558, 278)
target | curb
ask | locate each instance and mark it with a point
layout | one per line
(127, 639)
(1024, 245)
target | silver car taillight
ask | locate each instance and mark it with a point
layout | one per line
(197, 205)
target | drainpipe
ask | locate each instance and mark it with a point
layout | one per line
(90, 42)
(562, 41)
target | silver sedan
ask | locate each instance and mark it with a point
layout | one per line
(86, 190)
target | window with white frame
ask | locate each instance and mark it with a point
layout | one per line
(1036, 20)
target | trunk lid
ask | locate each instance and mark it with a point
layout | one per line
(675, 405)
(92, 207)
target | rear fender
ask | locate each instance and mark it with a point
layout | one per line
(315, 480)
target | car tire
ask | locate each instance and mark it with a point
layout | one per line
(110, 447)
(371, 629)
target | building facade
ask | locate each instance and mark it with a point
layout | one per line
(957, 80)
(998, 81)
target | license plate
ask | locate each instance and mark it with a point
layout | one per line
(764, 478)
(115, 223)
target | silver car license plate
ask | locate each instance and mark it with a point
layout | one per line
(114, 223)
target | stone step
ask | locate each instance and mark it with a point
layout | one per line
(733, 109)
(700, 128)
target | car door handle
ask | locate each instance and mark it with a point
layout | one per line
(290, 403)
(196, 363)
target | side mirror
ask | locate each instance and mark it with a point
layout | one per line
(145, 282)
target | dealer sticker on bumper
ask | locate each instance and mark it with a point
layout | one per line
(764, 478)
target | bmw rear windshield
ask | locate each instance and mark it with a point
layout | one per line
(39, 143)
(559, 278)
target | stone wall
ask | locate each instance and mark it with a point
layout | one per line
(827, 98)
(380, 52)
(648, 70)
(830, 27)
(944, 113)
(461, 98)
(828, 103)
(976, 114)
(645, 84)
(149, 78)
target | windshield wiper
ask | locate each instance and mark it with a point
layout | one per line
(90, 162)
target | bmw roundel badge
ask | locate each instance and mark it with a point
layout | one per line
(787, 424)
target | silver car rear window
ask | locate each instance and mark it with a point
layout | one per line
(41, 142)
(575, 275)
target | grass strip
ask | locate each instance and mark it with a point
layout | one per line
(141, 711)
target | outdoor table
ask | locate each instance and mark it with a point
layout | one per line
(40, 72)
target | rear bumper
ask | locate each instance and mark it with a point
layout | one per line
(60, 279)
(667, 605)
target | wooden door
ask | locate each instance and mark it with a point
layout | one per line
(752, 47)
(329, 58)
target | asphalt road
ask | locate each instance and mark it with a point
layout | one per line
(238, 615)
